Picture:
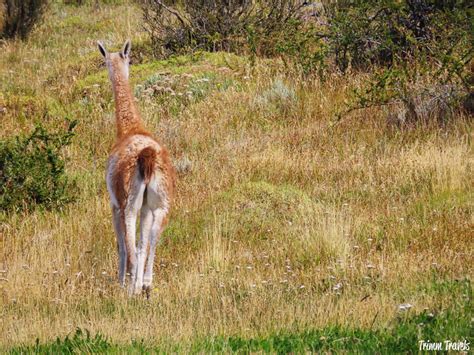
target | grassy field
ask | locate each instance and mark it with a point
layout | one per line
(289, 233)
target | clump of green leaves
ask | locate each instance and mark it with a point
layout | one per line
(32, 170)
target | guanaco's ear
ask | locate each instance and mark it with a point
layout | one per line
(126, 48)
(102, 49)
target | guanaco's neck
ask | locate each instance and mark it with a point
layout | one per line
(127, 117)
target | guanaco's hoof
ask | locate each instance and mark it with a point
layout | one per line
(147, 290)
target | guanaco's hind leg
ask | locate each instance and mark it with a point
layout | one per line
(118, 221)
(156, 229)
(146, 220)
(133, 206)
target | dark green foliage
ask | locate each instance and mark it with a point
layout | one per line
(17, 17)
(32, 170)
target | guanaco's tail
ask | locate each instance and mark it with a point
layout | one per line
(146, 163)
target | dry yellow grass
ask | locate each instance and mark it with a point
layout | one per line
(283, 222)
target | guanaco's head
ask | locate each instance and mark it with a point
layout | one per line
(117, 63)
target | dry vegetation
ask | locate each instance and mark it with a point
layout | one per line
(283, 220)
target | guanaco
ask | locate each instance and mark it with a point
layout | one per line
(140, 179)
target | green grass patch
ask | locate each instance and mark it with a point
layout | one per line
(402, 335)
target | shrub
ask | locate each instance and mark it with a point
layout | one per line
(418, 51)
(384, 32)
(32, 170)
(17, 17)
(214, 25)
(301, 47)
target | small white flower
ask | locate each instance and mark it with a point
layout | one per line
(405, 306)
(337, 286)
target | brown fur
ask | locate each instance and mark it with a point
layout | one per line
(129, 127)
(146, 163)
(127, 116)
(147, 160)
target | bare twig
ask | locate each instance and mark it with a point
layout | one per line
(172, 11)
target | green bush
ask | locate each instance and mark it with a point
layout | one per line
(17, 17)
(32, 171)
(385, 32)
(418, 54)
